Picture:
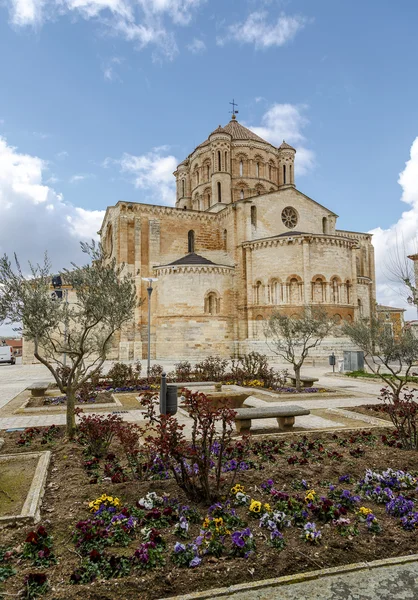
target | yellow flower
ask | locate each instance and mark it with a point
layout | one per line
(255, 506)
(206, 523)
(365, 511)
(237, 488)
(267, 507)
(310, 496)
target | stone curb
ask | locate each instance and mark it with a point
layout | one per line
(297, 578)
(31, 508)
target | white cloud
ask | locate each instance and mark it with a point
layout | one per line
(109, 70)
(286, 122)
(80, 177)
(400, 236)
(196, 46)
(34, 217)
(40, 135)
(63, 154)
(143, 22)
(259, 29)
(152, 173)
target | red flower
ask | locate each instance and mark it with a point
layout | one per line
(32, 538)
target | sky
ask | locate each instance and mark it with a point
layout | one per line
(101, 99)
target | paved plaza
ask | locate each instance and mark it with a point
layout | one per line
(326, 412)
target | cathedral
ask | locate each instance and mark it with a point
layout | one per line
(241, 242)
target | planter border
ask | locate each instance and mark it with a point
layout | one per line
(31, 508)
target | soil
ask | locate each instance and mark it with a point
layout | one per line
(15, 480)
(68, 492)
(102, 398)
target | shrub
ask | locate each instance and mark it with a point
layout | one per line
(155, 373)
(96, 432)
(196, 465)
(86, 393)
(183, 371)
(403, 412)
(212, 368)
(255, 366)
(128, 436)
(122, 374)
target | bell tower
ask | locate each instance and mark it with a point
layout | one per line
(286, 165)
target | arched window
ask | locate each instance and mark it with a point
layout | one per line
(254, 216)
(219, 191)
(290, 173)
(258, 329)
(241, 194)
(197, 177)
(347, 291)
(294, 291)
(324, 225)
(269, 171)
(275, 292)
(219, 161)
(225, 239)
(226, 161)
(207, 173)
(241, 168)
(257, 169)
(258, 294)
(360, 307)
(183, 187)
(318, 290)
(190, 240)
(335, 291)
(212, 304)
(208, 200)
(284, 174)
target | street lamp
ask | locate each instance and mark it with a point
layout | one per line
(150, 280)
(413, 300)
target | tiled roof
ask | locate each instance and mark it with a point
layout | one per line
(285, 146)
(192, 259)
(382, 308)
(239, 132)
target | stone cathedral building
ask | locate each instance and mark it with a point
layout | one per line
(241, 242)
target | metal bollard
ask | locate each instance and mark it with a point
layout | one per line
(171, 400)
(163, 394)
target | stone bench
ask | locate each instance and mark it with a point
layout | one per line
(38, 388)
(285, 416)
(305, 381)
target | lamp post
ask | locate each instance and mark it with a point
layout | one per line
(150, 281)
(413, 300)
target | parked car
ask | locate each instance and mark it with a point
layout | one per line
(6, 355)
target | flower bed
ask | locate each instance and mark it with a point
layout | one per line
(298, 503)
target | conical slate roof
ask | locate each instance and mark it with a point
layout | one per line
(192, 259)
(285, 146)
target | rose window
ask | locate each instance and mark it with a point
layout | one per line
(289, 217)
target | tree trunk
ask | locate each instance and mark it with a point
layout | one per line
(297, 376)
(70, 413)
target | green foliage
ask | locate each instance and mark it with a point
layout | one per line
(293, 337)
(212, 368)
(102, 300)
(390, 358)
(121, 374)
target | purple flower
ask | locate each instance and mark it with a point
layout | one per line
(237, 539)
(179, 547)
(195, 562)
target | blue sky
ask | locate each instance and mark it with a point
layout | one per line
(101, 98)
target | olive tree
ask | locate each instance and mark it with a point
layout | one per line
(389, 357)
(79, 332)
(293, 337)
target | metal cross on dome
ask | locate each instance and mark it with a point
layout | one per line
(233, 111)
